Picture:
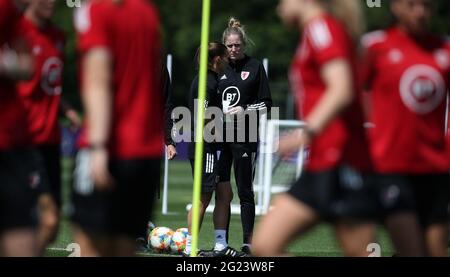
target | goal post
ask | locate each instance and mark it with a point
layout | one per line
(274, 175)
(278, 173)
(165, 195)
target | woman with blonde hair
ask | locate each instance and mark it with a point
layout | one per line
(245, 92)
(333, 185)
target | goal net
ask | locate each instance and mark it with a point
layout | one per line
(276, 174)
(273, 174)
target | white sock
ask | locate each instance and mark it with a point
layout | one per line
(187, 249)
(221, 240)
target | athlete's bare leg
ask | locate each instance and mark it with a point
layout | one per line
(355, 236)
(18, 243)
(281, 225)
(406, 234)
(436, 240)
(48, 222)
(224, 196)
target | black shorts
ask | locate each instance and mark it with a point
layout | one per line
(426, 195)
(209, 170)
(243, 155)
(341, 193)
(51, 157)
(21, 178)
(126, 209)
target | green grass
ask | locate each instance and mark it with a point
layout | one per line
(318, 242)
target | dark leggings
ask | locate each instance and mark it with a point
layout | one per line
(243, 157)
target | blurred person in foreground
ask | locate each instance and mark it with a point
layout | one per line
(406, 70)
(20, 167)
(118, 167)
(333, 187)
(41, 97)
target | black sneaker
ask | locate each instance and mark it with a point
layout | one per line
(141, 245)
(226, 252)
(200, 253)
(245, 251)
(205, 253)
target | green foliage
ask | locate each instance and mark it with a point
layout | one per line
(64, 19)
(181, 22)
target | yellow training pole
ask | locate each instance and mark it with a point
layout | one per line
(200, 124)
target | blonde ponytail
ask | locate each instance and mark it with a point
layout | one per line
(350, 13)
(235, 28)
(234, 23)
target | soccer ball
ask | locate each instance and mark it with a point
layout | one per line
(178, 243)
(159, 239)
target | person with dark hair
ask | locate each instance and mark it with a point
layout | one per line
(406, 72)
(217, 62)
(20, 167)
(245, 93)
(333, 186)
(118, 167)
